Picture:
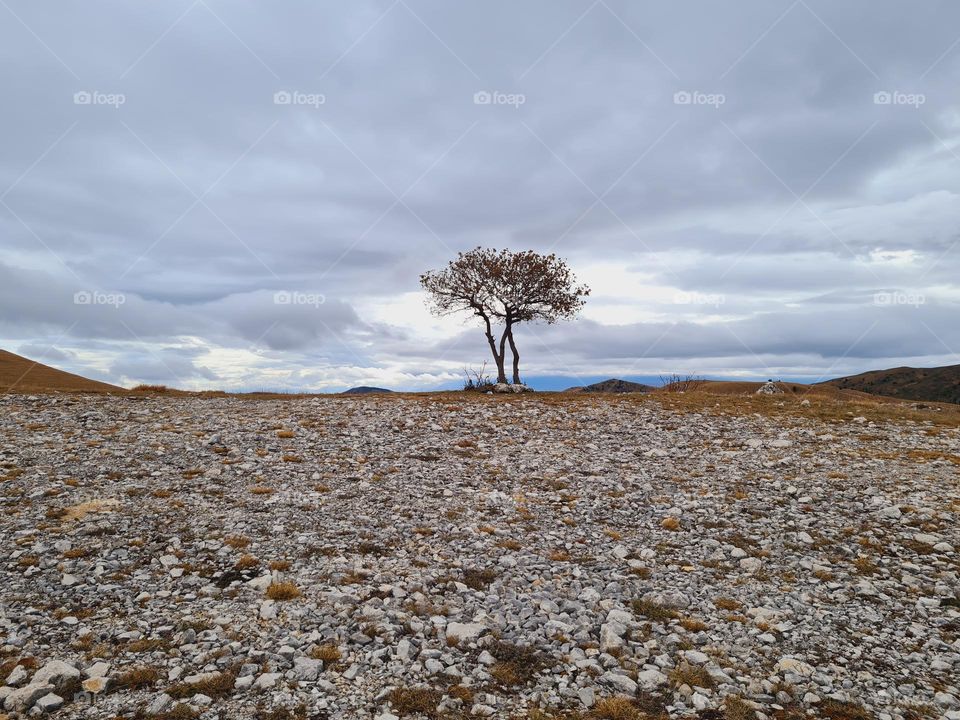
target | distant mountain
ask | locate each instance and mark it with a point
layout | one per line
(614, 386)
(22, 375)
(938, 384)
(365, 390)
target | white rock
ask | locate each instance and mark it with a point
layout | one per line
(465, 631)
(651, 679)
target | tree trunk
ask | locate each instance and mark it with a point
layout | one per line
(516, 356)
(497, 357)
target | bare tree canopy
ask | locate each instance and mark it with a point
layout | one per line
(502, 287)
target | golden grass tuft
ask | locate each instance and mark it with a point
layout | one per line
(616, 708)
(327, 652)
(219, 685)
(283, 591)
(246, 562)
(670, 523)
(136, 678)
(415, 701)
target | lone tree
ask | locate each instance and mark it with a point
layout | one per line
(505, 288)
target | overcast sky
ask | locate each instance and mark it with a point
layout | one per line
(243, 195)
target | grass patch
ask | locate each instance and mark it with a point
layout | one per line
(652, 610)
(328, 652)
(516, 664)
(283, 591)
(478, 579)
(216, 685)
(415, 700)
(692, 675)
(616, 708)
(136, 678)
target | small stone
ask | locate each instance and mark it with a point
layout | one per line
(18, 676)
(619, 682)
(307, 669)
(792, 665)
(587, 696)
(55, 672)
(49, 703)
(95, 685)
(651, 679)
(98, 669)
(465, 631)
(267, 681)
(159, 704)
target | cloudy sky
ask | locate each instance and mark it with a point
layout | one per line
(242, 195)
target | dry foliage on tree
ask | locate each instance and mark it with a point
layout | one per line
(505, 288)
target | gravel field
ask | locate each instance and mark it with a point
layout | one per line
(458, 556)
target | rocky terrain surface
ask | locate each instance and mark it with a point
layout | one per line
(483, 556)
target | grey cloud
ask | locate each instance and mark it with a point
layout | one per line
(305, 198)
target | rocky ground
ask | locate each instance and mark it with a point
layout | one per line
(454, 556)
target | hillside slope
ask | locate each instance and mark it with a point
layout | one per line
(937, 384)
(22, 375)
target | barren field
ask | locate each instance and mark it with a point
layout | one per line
(469, 556)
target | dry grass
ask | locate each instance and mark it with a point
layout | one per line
(653, 611)
(478, 579)
(692, 675)
(725, 603)
(516, 664)
(670, 523)
(237, 542)
(262, 490)
(415, 700)
(329, 653)
(280, 565)
(736, 708)
(283, 591)
(285, 434)
(136, 678)
(216, 686)
(693, 624)
(616, 708)
(246, 562)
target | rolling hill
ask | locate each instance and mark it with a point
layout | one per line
(22, 375)
(937, 384)
(613, 385)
